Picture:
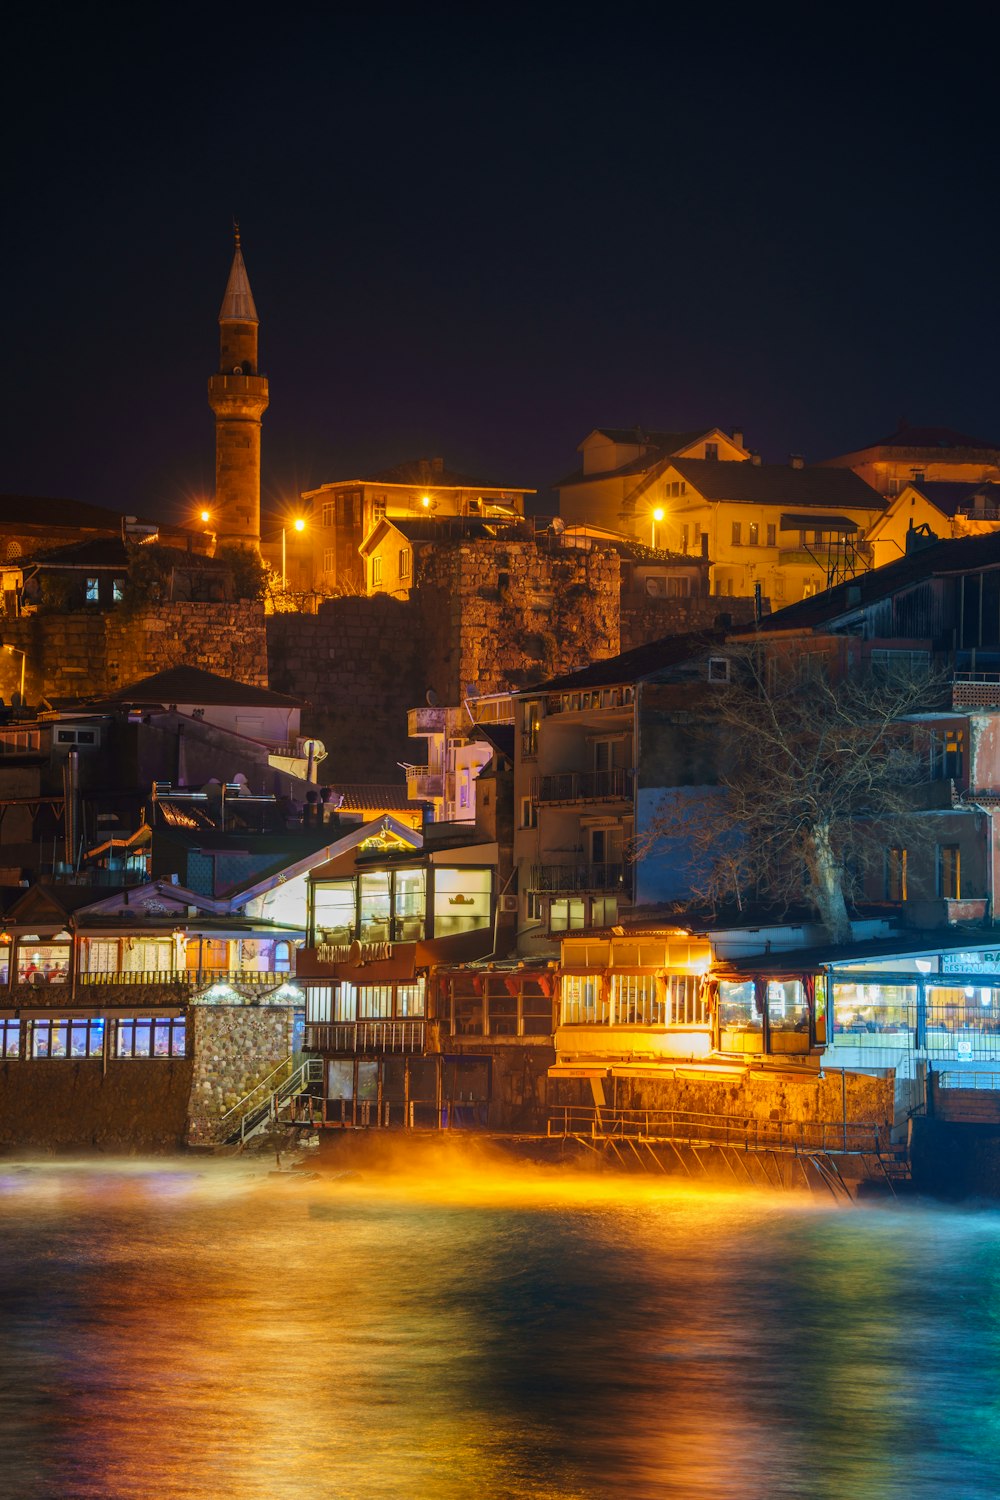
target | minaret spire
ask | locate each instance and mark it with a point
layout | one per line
(239, 397)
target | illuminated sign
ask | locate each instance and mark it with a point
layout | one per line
(960, 963)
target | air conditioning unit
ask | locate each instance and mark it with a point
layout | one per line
(508, 903)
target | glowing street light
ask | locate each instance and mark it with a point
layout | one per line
(206, 516)
(658, 515)
(297, 525)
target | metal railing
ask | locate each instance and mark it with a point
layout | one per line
(953, 1079)
(738, 1131)
(195, 978)
(366, 1036)
(613, 785)
(270, 1109)
(581, 877)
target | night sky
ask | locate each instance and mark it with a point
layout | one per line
(481, 237)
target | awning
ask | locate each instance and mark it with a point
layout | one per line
(812, 522)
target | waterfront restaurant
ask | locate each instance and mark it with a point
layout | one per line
(900, 1006)
(382, 915)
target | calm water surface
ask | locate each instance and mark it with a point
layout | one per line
(207, 1330)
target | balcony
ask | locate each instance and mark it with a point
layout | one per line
(421, 721)
(244, 979)
(583, 878)
(615, 785)
(366, 1036)
(423, 784)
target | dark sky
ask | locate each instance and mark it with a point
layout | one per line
(482, 237)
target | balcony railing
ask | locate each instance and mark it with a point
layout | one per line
(193, 978)
(615, 785)
(366, 1036)
(599, 877)
(421, 781)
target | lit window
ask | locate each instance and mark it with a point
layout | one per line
(329, 560)
(151, 1036)
(754, 534)
(42, 963)
(81, 1036)
(93, 590)
(376, 572)
(10, 1036)
(583, 1002)
(461, 900)
(118, 590)
(404, 562)
(737, 533)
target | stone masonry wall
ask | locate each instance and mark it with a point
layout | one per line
(358, 666)
(497, 616)
(234, 1048)
(645, 619)
(80, 653)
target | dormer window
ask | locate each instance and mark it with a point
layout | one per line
(711, 450)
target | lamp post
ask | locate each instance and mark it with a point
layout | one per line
(658, 515)
(24, 657)
(297, 525)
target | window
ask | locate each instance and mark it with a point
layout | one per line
(461, 900)
(326, 517)
(737, 533)
(80, 1037)
(772, 536)
(718, 669)
(378, 509)
(711, 450)
(345, 1003)
(10, 1036)
(151, 1036)
(949, 871)
(947, 754)
(754, 538)
(686, 1001)
(329, 560)
(318, 1003)
(634, 1000)
(895, 874)
(374, 1002)
(410, 999)
(42, 963)
(376, 572)
(568, 916)
(409, 903)
(529, 813)
(93, 590)
(404, 562)
(117, 590)
(375, 906)
(697, 533)
(533, 907)
(684, 537)
(101, 956)
(582, 1002)
(530, 722)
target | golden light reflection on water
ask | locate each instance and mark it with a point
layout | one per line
(449, 1325)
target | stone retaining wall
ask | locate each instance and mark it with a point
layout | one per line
(234, 1047)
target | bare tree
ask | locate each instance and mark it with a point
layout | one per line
(815, 777)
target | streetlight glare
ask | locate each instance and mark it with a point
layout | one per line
(299, 524)
(206, 515)
(659, 513)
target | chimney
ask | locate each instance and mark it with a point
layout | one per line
(738, 436)
(796, 460)
(755, 460)
(437, 466)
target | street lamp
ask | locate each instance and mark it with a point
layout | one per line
(206, 516)
(658, 515)
(24, 657)
(297, 525)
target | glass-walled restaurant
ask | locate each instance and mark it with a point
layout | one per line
(42, 959)
(406, 904)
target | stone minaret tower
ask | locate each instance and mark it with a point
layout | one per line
(238, 396)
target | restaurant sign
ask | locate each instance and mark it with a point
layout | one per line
(963, 963)
(353, 953)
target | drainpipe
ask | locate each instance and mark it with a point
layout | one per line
(71, 793)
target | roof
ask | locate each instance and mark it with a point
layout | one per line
(778, 484)
(792, 522)
(634, 665)
(445, 529)
(967, 553)
(113, 552)
(929, 439)
(656, 446)
(38, 512)
(433, 475)
(500, 736)
(358, 797)
(194, 685)
(237, 302)
(905, 943)
(951, 496)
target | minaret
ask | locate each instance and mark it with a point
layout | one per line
(238, 396)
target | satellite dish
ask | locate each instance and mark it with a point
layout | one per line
(315, 748)
(558, 525)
